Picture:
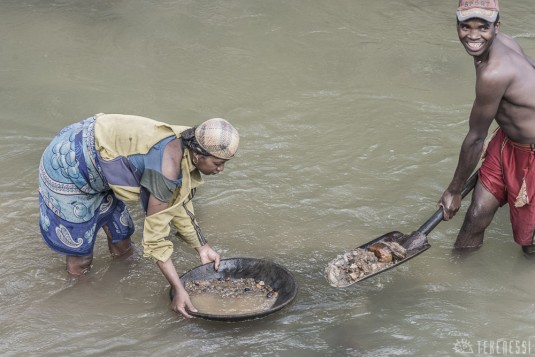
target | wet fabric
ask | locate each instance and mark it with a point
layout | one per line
(143, 173)
(119, 137)
(508, 173)
(75, 200)
(92, 167)
(153, 180)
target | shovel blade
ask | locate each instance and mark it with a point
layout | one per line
(339, 275)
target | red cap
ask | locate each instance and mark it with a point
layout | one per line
(481, 9)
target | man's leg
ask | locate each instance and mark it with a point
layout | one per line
(79, 265)
(478, 217)
(119, 249)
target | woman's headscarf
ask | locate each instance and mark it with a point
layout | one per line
(215, 137)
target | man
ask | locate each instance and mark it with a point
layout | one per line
(505, 91)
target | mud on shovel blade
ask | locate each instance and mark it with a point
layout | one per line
(385, 252)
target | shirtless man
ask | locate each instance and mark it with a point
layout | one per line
(505, 91)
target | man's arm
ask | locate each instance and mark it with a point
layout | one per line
(489, 93)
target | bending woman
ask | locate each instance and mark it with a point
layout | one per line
(91, 167)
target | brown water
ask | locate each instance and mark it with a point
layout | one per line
(215, 304)
(351, 115)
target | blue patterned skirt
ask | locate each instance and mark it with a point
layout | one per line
(75, 199)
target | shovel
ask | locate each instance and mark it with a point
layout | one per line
(413, 245)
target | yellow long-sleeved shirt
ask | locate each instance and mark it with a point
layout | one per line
(118, 135)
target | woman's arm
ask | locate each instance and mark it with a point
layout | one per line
(181, 299)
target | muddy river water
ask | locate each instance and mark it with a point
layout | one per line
(351, 115)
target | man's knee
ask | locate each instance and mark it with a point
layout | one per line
(480, 214)
(483, 205)
(472, 231)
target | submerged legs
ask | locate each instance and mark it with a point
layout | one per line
(478, 217)
(81, 265)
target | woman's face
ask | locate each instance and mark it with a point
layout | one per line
(209, 165)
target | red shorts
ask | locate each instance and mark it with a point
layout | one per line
(508, 172)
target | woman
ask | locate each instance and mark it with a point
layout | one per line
(91, 167)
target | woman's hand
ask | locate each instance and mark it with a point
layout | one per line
(207, 255)
(181, 301)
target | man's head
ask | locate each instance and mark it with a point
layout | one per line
(487, 10)
(477, 26)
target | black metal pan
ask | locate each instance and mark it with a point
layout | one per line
(273, 274)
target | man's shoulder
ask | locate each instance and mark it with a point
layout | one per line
(502, 63)
(508, 42)
(497, 69)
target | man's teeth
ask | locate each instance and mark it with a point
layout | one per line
(474, 45)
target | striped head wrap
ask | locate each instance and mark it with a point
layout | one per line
(218, 138)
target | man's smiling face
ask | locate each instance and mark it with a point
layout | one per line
(477, 35)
